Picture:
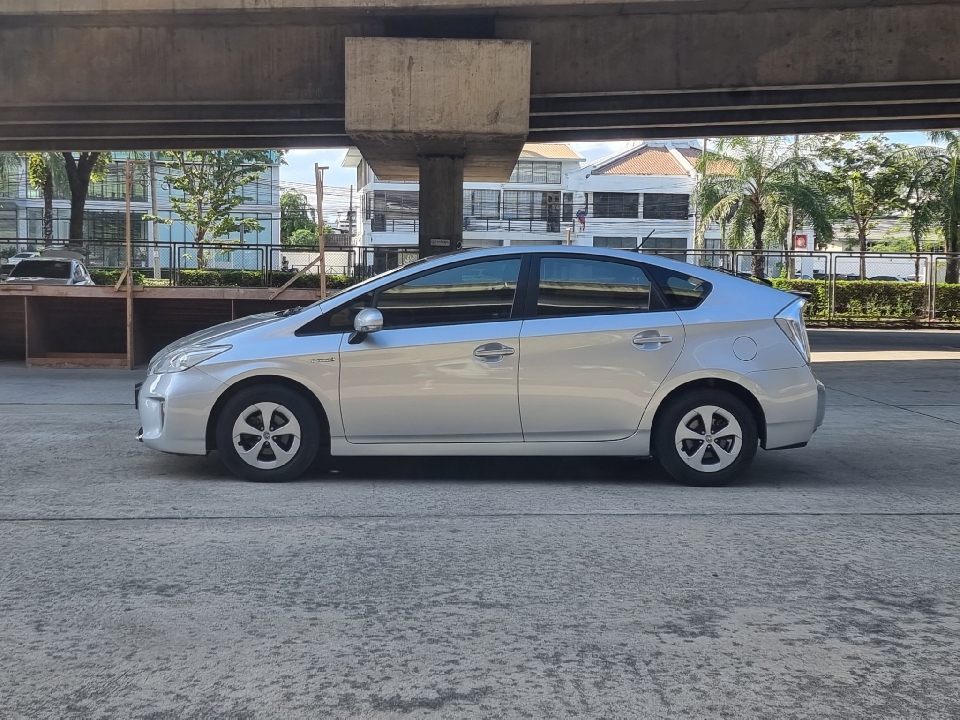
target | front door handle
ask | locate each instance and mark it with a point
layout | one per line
(650, 340)
(492, 352)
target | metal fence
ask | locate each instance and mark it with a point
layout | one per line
(847, 287)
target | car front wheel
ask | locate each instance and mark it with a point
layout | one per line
(706, 438)
(268, 433)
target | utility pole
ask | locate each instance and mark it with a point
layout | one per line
(128, 270)
(792, 225)
(318, 176)
(153, 213)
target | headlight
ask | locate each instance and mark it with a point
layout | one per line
(185, 358)
(790, 320)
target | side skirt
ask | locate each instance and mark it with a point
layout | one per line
(637, 445)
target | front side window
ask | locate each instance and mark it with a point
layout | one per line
(475, 292)
(580, 286)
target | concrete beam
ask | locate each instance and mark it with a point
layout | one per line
(411, 97)
(767, 67)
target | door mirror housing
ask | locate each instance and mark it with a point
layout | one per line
(368, 320)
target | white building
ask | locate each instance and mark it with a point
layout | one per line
(639, 195)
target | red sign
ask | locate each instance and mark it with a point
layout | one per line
(800, 242)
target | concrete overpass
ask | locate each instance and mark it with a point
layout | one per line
(154, 74)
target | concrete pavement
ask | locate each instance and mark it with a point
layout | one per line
(825, 584)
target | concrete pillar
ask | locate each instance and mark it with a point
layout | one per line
(441, 204)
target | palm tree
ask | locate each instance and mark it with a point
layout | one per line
(47, 173)
(749, 185)
(935, 193)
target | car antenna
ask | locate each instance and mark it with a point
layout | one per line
(644, 241)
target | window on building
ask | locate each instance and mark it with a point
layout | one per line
(629, 243)
(545, 172)
(533, 205)
(578, 286)
(389, 210)
(675, 248)
(568, 207)
(482, 204)
(476, 292)
(113, 186)
(10, 182)
(260, 191)
(666, 206)
(8, 223)
(616, 205)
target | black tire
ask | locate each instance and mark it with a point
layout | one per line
(715, 454)
(289, 402)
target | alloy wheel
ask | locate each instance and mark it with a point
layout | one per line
(266, 435)
(709, 439)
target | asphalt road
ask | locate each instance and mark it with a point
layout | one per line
(825, 584)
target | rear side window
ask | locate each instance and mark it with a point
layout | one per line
(581, 286)
(681, 291)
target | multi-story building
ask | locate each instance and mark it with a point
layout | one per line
(21, 208)
(639, 195)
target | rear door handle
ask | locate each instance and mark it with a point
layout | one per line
(647, 339)
(492, 352)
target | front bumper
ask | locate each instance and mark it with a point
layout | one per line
(174, 409)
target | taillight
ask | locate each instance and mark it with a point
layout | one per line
(790, 320)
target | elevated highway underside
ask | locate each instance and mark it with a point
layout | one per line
(148, 74)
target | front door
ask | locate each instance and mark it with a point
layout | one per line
(594, 352)
(444, 367)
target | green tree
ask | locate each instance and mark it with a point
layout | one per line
(80, 169)
(296, 214)
(934, 192)
(748, 186)
(47, 173)
(208, 187)
(864, 182)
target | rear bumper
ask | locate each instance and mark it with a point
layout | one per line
(792, 400)
(821, 404)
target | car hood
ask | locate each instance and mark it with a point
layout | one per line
(220, 333)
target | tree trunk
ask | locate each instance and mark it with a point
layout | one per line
(47, 206)
(79, 170)
(759, 221)
(953, 260)
(862, 235)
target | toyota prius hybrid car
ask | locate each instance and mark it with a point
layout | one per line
(509, 351)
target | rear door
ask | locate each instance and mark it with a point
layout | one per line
(594, 348)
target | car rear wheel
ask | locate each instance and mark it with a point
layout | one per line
(706, 438)
(268, 433)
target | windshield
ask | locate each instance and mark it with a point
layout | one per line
(375, 278)
(57, 269)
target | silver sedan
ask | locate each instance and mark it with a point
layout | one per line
(511, 351)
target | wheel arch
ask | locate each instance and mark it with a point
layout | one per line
(714, 383)
(311, 397)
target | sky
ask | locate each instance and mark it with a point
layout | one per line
(299, 167)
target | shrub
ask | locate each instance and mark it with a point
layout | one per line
(819, 303)
(109, 276)
(198, 278)
(875, 299)
(241, 278)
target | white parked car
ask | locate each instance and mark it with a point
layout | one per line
(510, 351)
(13, 260)
(49, 271)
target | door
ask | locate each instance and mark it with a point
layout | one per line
(444, 366)
(594, 352)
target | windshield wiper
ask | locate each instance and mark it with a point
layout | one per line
(290, 311)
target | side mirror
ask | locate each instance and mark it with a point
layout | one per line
(368, 320)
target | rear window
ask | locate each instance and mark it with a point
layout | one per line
(58, 269)
(681, 291)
